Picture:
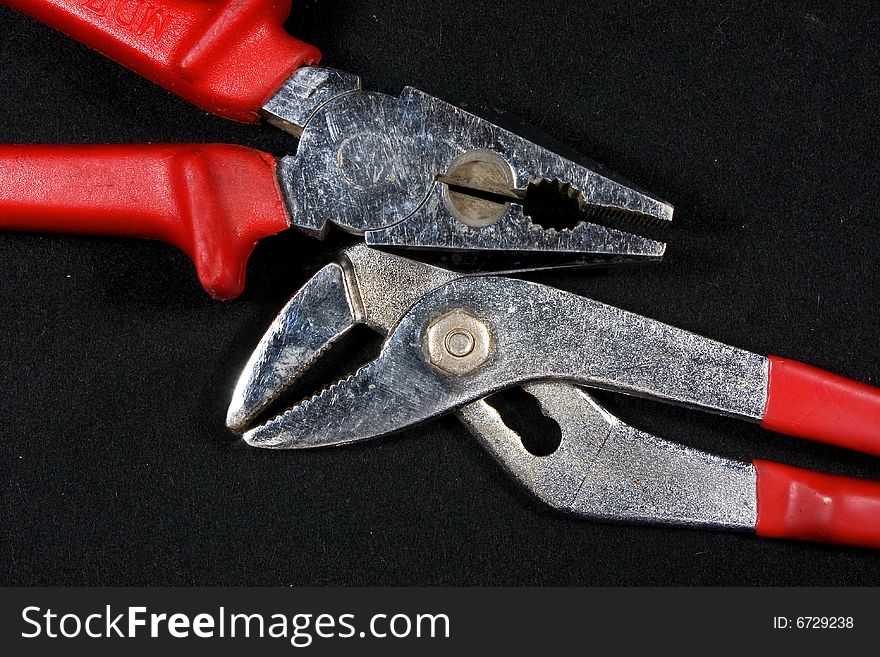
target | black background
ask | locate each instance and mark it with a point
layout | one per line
(756, 123)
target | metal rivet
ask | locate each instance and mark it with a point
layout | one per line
(457, 342)
(484, 170)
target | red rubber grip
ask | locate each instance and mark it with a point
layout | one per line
(807, 402)
(226, 56)
(812, 506)
(214, 202)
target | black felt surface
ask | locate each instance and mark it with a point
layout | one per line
(758, 124)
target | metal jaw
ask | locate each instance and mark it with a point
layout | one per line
(534, 332)
(602, 469)
(366, 286)
(414, 172)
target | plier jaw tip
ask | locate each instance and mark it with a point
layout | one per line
(364, 287)
(317, 316)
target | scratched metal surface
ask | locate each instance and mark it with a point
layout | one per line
(602, 469)
(754, 122)
(367, 163)
(537, 332)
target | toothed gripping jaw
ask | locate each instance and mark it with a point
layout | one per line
(365, 286)
(318, 315)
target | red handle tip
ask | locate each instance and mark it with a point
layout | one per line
(807, 402)
(813, 506)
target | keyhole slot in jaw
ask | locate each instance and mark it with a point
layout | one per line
(521, 412)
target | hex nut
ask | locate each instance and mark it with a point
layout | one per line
(457, 342)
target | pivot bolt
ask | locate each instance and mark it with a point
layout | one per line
(460, 342)
(478, 188)
(457, 342)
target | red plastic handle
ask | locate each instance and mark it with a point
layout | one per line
(812, 506)
(807, 402)
(226, 56)
(214, 202)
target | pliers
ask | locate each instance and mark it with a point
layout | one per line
(409, 172)
(453, 340)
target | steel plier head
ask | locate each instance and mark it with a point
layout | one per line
(419, 174)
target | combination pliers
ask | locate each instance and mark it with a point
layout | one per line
(409, 173)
